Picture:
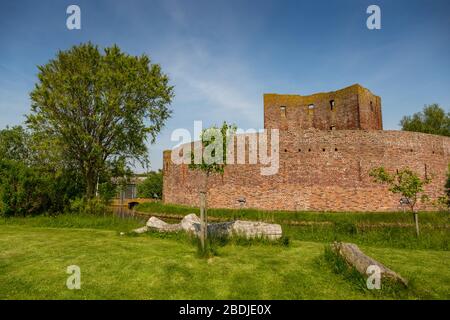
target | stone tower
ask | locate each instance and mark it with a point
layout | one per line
(351, 108)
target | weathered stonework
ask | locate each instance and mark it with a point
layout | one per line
(325, 159)
(191, 224)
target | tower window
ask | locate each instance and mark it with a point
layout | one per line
(331, 105)
(283, 111)
(311, 106)
(371, 106)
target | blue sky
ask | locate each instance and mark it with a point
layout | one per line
(222, 56)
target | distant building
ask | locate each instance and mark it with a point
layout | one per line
(130, 189)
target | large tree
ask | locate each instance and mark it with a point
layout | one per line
(433, 119)
(99, 105)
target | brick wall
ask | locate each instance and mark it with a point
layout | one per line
(320, 170)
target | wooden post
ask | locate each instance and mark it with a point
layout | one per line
(203, 219)
(416, 220)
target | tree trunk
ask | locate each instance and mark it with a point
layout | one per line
(204, 212)
(416, 220)
(91, 182)
(202, 219)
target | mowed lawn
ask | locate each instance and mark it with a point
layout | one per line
(33, 262)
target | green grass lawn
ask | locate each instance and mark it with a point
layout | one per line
(35, 252)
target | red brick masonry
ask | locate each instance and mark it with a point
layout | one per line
(324, 159)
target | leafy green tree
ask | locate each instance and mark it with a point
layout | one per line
(152, 186)
(99, 106)
(15, 144)
(433, 119)
(405, 182)
(214, 143)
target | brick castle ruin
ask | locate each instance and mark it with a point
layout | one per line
(328, 143)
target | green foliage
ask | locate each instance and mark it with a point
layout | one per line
(433, 119)
(14, 144)
(405, 182)
(22, 191)
(93, 206)
(76, 221)
(152, 186)
(106, 191)
(29, 191)
(98, 107)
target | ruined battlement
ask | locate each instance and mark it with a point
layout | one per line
(351, 108)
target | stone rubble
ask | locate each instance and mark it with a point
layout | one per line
(191, 224)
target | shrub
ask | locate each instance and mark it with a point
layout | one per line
(152, 186)
(94, 206)
(23, 191)
(31, 190)
(107, 191)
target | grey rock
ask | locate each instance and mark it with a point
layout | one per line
(357, 259)
(158, 224)
(191, 223)
(256, 229)
(141, 230)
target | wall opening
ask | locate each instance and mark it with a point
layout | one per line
(331, 105)
(311, 107)
(283, 111)
(371, 106)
